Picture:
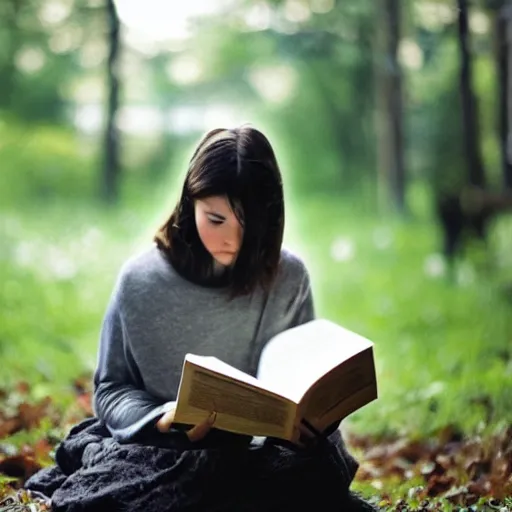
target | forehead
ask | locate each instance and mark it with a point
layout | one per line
(219, 204)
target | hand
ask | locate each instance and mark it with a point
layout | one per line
(304, 437)
(196, 433)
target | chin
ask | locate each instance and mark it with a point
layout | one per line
(225, 260)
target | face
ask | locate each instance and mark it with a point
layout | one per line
(218, 228)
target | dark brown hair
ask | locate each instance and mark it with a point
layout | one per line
(240, 164)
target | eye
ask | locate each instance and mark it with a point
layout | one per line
(215, 221)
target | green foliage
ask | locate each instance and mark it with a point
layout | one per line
(43, 163)
(381, 279)
(435, 117)
(442, 340)
(42, 53)
(442, 347)
(486, 90)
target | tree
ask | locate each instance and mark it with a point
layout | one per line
(470, 124)
(112, 167)
(11, 35)
(390, 153)
(503, 24)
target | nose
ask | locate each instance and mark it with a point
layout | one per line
(229, 240)
(231, 237)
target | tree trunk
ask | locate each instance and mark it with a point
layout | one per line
(112, 167)
(505, 79)
(469, 108)
(502, 74)
(389, 122)
(8, 71)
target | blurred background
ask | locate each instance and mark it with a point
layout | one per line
(391, 121)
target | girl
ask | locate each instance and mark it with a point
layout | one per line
(216, 283)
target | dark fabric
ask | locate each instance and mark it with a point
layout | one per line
(94, 472)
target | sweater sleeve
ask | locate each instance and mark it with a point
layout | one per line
(304, 305)
(120, 400)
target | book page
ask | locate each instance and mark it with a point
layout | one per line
(216, 365)
(348, 405)
(240, 406)
(346, 388)
(294, 360)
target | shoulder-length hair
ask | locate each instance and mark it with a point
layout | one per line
(239, 164)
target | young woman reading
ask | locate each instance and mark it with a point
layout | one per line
(216, 282)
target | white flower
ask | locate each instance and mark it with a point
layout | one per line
(342, 249)
(465, 274)
(25, 254)
(382, 238)
(59, 264)
(434, 266)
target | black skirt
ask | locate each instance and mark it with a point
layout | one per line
(224, 473)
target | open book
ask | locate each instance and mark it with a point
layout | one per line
(317, 373)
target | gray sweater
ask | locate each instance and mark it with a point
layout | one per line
(155, 317)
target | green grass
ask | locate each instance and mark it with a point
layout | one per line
(443, 348)
(57, 268)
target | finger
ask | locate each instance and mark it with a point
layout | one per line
(297, 438)
(199, 431)
(163, 426)
(306, 432)
(308, 436)
(300, 444)
(165, 422)
(317, 434)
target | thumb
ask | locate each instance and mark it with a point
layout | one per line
(165, 422)
(199, 431)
